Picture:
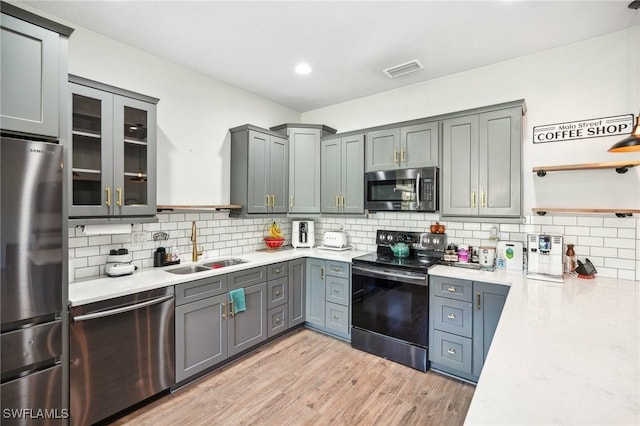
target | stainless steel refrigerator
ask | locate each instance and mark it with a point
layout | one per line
(31, 252)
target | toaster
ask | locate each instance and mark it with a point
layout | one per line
(334, 238)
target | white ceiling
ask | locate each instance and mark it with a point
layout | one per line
(255, 45)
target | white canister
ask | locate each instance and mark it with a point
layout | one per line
(486, 256)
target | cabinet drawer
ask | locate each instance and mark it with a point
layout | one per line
(200, 289)
(338, 269)
(452, 288)
(451, 351)
(247, 277)
(277, 320)
(277, 292)
(277, 270)
(452, 316)
(337, 290)
(337, 318)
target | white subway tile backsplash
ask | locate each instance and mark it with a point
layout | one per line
(612, 244)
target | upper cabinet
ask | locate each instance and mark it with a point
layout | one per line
(33, 66)
(481, 164)
(112, 151)
(342, 174)
(304, 165)
(404, 147)
(259, 160)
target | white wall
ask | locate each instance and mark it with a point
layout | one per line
(596, 78)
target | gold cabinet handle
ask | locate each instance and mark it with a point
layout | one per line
(108, 191)
(291, 201)
(336, 317)
(119, 191)
(473, 199)
(483, 197)
(336, 290)
(451, 351)
(478, 300)
(278, 320)
(452, 289)
(273, 200)
(231, 314)
(337, 201)
(321, 273)
(451, 316)
(224, 310)
(268, 199)
(343, 201)
(278, 293)
(395, 156)
(403, 155)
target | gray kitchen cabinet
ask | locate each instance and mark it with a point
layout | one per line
(463, 319)
(342, 174)
(489, 301)
(259, 164)
(404, 147)
(481, 164)
(297, 291)
(33, 63)
(277, 320)
(112, 151)
(329, 297)
(248, 328)
(304, 165)
(201, 335)
(277, 292)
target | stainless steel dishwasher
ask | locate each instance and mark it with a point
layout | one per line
(122, 352)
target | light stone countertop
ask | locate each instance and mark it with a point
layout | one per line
(97, 289)
(563, 354)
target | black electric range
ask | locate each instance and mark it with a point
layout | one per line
(390, 297)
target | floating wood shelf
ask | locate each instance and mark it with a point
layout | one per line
(204, 207)
(619, 166)
(541, 211)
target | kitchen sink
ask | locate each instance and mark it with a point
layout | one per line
(191, 269)
(224, 262)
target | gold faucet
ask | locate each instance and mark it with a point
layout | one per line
(194, 251)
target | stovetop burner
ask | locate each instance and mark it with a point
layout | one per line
(425, 250)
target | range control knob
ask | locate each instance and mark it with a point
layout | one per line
(390, 238)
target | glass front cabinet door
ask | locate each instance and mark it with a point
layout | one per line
(113, 154)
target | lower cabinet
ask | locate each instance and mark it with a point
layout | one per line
(463, 320)
(297, 291)
(329, 297)
(248, 328)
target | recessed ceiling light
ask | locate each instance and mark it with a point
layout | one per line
(303, 68)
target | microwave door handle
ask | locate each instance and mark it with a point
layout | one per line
(418, 189)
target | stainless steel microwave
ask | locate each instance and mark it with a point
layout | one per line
(402, 190)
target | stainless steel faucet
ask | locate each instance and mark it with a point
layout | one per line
(194, 240)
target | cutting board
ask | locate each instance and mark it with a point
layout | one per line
(512, 252)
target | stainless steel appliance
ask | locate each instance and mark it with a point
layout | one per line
(390, 297)
(31, 235)
(303, 233)
(122, 352)
(544, 253)
(407, 189)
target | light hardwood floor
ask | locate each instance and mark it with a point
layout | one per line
(307, 378)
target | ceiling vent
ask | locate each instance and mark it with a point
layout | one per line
(402, 69)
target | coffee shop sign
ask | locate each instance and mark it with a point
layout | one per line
(593, 128)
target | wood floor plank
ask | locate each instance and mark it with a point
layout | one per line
(307, 378)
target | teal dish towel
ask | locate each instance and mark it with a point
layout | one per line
(237, 297)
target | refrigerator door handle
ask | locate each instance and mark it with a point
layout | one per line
(116, 311)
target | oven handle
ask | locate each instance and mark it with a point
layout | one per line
(121, 310)
(417, 279)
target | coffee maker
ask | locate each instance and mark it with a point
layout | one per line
(544, 254)
(303, 234)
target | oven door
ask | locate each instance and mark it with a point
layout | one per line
(391, 302)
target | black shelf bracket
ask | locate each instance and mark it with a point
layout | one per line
(541, 173)
(541, 213)
(624, 214)
(623, 169)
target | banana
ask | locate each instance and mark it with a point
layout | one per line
(274, 230)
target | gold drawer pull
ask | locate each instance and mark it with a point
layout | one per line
(278, 293)
(231, 309)
(451, 351)
(451, 316)
(336, 290)
(224, 310)
(278, 320)
(452, 290)
(108, 191)
(336, 317)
